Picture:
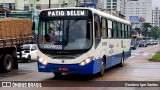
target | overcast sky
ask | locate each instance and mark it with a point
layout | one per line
(155, 3)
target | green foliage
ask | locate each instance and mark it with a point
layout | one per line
(146, 25)
(156, 57)
(155, 32)
(145, 29)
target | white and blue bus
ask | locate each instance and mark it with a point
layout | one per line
(81, 40)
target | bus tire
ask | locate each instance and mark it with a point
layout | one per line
(102, 69)
(6, 63)
(122, 60)
(57, 75)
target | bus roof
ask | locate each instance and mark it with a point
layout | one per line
(106, 15)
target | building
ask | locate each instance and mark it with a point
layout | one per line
(100, 4)
(138, 12)
(88, 3)
(28, 5)
(156, 17)
(9, 4)
(115, 5)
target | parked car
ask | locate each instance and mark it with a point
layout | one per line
(142, 43)
(149, 42)
(29, 52)
(133, 45)
(155, 42)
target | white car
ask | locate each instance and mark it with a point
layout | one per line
(29, 52)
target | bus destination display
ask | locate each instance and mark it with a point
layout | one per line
(57, 13)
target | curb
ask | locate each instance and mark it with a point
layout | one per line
(153, 60)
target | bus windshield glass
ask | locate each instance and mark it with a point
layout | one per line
(73, 33)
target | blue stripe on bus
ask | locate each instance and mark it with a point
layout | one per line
(90, 68)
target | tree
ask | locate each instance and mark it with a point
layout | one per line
(145, 29)
(146, 25)
(155, 32)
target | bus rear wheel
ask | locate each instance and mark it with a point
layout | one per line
(122, 61)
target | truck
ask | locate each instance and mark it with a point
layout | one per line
(14, 32)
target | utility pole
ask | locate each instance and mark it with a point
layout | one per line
(84, 2)
(76, 2)
(159, 42)
(49, 4)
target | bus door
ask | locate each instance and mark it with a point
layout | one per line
(97, 35)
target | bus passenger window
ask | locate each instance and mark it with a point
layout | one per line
(110, 32)
(115, 31)
(119, 30)
(104, 28)
(126, 31)
(123, 31)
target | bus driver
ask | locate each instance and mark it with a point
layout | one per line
(48, 36)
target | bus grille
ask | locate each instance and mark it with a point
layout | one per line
(64, 57)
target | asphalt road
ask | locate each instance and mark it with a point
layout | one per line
(136, 68)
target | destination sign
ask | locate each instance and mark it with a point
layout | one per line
(57, 13)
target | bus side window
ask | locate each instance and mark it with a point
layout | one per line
(115, 31)
(104, 28)
(126, 31)
(119, 30)
(97, 30)
(110, 32)
(123, 31)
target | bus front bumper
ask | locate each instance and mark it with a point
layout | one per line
(90, 68)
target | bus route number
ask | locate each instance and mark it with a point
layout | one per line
(104, 43)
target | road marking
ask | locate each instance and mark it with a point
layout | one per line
(30, 69)
(132, 57)
(136, 54)
(23, 65)
(145, 54)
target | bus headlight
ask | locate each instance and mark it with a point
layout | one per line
(43, 61)
(86, 61)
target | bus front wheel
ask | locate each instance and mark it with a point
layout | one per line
(102, 69)
(57, 74)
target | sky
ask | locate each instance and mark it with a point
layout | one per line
(155, 3)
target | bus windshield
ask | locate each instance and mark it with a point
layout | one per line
(61, 34)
